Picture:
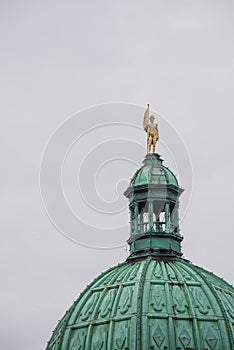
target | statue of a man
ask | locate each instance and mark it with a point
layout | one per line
(152, 131)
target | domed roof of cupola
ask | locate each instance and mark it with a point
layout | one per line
(153, 172)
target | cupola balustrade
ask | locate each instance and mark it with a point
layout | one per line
(144, 218)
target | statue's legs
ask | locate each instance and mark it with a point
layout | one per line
(150, 140)
(154, 143)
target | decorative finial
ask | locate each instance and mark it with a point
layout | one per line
(152, 131)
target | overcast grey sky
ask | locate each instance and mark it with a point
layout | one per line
(58, 57)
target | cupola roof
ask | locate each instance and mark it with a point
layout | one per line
(153, 172)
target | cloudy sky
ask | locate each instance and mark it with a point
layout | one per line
(60, 57)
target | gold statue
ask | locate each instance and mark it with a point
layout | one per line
(152, 131)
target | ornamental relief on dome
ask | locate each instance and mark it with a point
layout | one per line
(184, 334)
(201, 302)
(170, 273)
(211, 337)
(106, 305)
(121, 336)
(133, 274)
(89, 307)
(158, 336)
(157, 298)
(125, 300)
(78, 341)
(158, 272)
(179, 302)
(99, 338)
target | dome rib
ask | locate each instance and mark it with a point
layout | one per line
(169, 304)
(139, 303)
(197, 337)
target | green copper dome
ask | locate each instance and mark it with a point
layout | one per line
(153, 172)
(155, 299)
(150, 304)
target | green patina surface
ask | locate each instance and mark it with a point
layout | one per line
(155, 299)
(150, 304)
(153, 172)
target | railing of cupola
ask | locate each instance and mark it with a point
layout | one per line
(156, 226)
(147, 221)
